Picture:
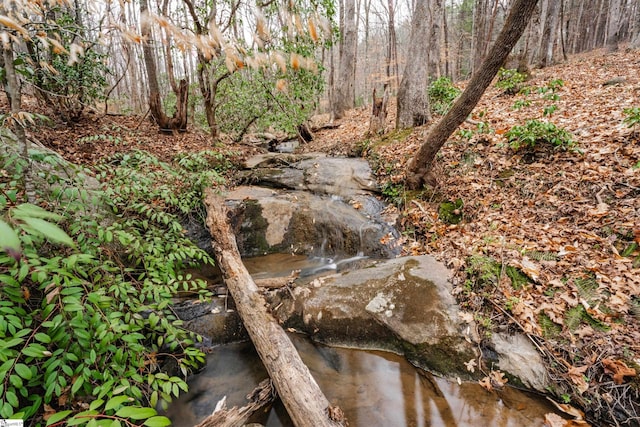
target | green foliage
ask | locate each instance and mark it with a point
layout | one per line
(267, 100)
(85, 317)
(68, 82)
(520, 103)
(632, 118)
(442, 94)
(510, 80)
(549, 110)
(550, 329)
(451, 212)
(394, 192)
(97, 138)
(535, 132)
(465, 133)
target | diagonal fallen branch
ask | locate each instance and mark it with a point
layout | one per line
(260, 397)
(306, 404)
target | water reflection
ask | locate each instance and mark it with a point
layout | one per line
(373, 388)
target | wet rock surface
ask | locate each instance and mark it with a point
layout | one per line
(309, 204)
(316, 205)
(402, 305)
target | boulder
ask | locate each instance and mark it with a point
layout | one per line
(402, 305)
(270, 221)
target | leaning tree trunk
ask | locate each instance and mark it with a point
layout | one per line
(298, 390)
(419, 167)
(413, 99)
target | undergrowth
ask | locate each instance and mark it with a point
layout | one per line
(87, 333)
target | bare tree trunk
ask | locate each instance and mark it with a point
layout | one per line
(378, 119)
(392, 49)
(548, 39)
(344, 90)
(413, 99)
(17, 124)
(298, 390)
(635, 32)
(419, 167)
(165, 123)
(613, 28)
(434, 61)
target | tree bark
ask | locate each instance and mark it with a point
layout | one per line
(413, 98)
(165, 123)
(378, 119)
(420, 165)
(547, 42)
(298, 390)
(344, 91)
(613, 28)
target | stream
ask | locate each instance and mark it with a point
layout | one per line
(373, 388)
(321, 217)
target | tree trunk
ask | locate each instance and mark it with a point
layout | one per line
(635, 40)
(434, 60)
(413, 99)
(14, 96)
(613, 29)
(165, 123)
(344, 91)
(547, 42)
(392, 49)
(378, 119)
(420, 165)
(298, 390)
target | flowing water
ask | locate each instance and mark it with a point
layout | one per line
(374, 389)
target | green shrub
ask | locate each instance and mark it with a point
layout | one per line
(535, 132)
(86, 326)
(442, 94)
(510, 80)
(632, 118)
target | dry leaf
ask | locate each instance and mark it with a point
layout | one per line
(619, 369)
(471, 365)
(576, 375)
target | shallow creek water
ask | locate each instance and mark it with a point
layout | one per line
(374, 389)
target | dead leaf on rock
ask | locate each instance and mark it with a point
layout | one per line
(471, 365)
(486, 384)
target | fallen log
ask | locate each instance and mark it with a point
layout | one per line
(306, 404)
(262, 396)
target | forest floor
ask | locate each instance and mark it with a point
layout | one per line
(549, 240)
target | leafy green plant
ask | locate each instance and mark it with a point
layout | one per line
(549, 110)
(102, 137)
(555, 84)
(64, 81)
(510, 80)
(394, 192)
(521, 103)
(535, 132)
(632, 118)
(86, 326)
(442, 94)
(261, 99)
(465, 133)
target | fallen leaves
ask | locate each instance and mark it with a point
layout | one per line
(618, 370)
(576, 375)
(495, 380)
